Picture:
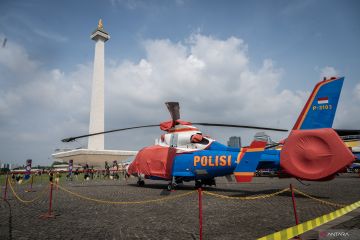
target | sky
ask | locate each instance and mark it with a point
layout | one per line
(239, 62)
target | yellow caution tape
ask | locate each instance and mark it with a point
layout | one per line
(319, 200)
(248, 197)
(291, 232)
(128, 202)
(22, 200)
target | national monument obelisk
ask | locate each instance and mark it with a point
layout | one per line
(95, 155)
(100, 36)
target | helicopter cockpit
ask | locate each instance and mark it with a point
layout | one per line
(185, 140)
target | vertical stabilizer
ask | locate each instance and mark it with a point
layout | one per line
(319, 111)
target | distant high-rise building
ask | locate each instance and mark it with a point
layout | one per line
(5, 165)
(234, 142)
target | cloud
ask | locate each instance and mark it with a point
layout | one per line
(31, 84)
(13, 56)
(179, 2)
(38, 106)
(296, 7)
(210, 77)
(129, 4)
(357, 92)
(24, 26)
(328, 72)
(50, 35)
(150, 6)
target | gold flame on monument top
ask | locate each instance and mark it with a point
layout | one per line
(100, 24)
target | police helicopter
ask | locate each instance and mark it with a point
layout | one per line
(312, 151)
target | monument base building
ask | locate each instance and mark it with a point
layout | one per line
(94, 158)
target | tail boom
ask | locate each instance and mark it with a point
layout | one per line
(248, 161)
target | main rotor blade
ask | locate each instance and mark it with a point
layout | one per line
(174, 109)
(240, 126)
(70, 139)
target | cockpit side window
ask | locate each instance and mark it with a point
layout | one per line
(199, 139)
(196, 138)
(204, 141)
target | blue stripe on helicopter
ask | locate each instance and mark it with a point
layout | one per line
(220, 160)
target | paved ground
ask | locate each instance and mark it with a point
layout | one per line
(173, 219)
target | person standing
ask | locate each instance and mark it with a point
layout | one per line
(76, 174)
(57, 180)
(86, 172)
(51, 175)
(107, 169)
(92, 172)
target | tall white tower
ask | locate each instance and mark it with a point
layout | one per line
(95, 155)
(100, 36)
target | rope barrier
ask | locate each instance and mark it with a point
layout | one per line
(319, 200)
(22, 200)
(248, 197)
(274, 194)
(126, 202)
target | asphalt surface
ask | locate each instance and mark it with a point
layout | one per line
(177, 218)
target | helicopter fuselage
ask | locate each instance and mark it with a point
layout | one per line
(217, 160)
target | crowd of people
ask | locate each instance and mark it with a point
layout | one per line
(89, 173)
(86, 171)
